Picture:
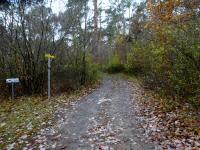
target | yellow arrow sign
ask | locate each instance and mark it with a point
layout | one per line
(50, 56)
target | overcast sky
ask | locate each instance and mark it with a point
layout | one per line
(59, 5)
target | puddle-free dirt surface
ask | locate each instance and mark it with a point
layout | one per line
(105, 119)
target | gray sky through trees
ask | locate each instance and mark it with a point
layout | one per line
(59, 5)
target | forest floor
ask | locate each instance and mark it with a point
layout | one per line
(21, 119)
(119, 114)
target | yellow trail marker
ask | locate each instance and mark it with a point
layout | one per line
(50, 56)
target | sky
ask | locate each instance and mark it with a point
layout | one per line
(59, 5)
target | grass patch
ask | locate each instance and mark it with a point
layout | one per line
(25, 116)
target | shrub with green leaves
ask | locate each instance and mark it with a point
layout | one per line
(170, 67)
(115, 65)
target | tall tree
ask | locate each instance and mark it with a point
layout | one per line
(96, 34)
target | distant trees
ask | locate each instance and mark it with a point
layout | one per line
(96, 14)
(28, 36)
(162, 45)
(29, 29)
(157, 39)
(77, 43)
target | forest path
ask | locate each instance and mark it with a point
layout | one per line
(105, 119)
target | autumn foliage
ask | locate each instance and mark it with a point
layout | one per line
(166, 48)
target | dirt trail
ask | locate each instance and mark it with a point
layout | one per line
(102, 120)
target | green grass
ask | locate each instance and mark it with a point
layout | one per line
(27, 115)
(24, 116)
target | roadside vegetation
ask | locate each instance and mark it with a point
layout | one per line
(23, 118)
(164, 50)
(164, 55)
(157, 42)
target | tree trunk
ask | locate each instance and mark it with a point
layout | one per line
(95, 40)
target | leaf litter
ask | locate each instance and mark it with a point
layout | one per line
(170, 126)
(22, 119)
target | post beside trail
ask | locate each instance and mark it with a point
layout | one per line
(12, 81)
(13, 92)
(49, 78)
(50, 57)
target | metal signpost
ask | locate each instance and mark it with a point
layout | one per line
(12, 81)
(50, 57)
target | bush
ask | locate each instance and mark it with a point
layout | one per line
(74, 74)
(170, 70)
(92, 70)
(138, 59)
(115, 65)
